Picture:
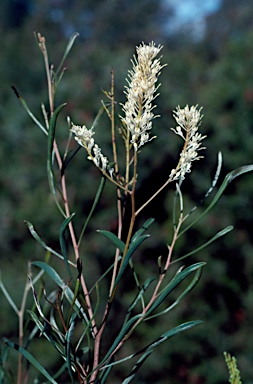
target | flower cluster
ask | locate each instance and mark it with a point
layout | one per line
(83, 136)
(140, 93)
(188, 120)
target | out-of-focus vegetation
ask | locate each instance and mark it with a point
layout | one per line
(214, 72)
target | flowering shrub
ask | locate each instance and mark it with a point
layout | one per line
(73, 324)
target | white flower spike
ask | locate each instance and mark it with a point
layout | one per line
(83, 136)
(188, 120)
(140, 93)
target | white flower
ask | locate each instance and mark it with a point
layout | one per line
(188, 120)
(140, 93)
(84, 137)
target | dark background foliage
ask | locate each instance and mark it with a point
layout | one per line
(210, 66)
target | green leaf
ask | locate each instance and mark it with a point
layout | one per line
(4, 354)
(228, 179)
(51, 272)
(36, 320)
(68, 158)
(46, 331)
(41, 242)
(145, 226)
(114, 239)
(104, 375)
(69, 335)
(172, 332)
(35, 120)
(67, 291)
(218, 234)
(119, 361)
(63, 229)
(67, 50)
(8, 297)
(185, 292)
(50, 171)
(213, 184)
(137, 367)
(124, 330)
(96, 200)
(31, 359)
(133, 246)
(139, 296)
(180, 276)
(149, 348)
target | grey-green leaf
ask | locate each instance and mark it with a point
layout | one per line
(31, 359)
(114, 239)
(230, 177)
(180, 276)
(63, 229)
(133, 246)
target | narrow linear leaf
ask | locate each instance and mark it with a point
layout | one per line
(51, 272)
(145, 226)
(69, 335)
(60, 371)
(185, 292)
(223, 232)
(31, 359)
(76, 293)
(137, 367)
(110, 365)
(136, 279)
(67, 50)
(104, 375)
(58, 335)
(50, 171)
(67, 291)
(8, 298)
(46, 332)
(102, 276)
(97, 118)
(180, 276)
(40, 241)
(213, 184)
(146, 351)
(172, 332)
(124, 330)
(3, 363)
(35, 120)
(35, 298)
(95, 202)
(139, 296)
(68, 158)
(36, 320)
(133, 246)
(51, 131)
(228, 179)
(114, 239)
(63, 229)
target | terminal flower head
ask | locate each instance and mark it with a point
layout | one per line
(83, 136)
(188, 120)
(140, 93)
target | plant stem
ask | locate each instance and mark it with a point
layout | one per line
(153, 196)
(51, 94)
(119, 203)
(133, 216)
(21, 326)
(170, 179)
(155, 293)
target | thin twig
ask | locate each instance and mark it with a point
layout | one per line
(51, 93)
(21, 313)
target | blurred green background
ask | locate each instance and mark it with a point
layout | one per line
(210, 61)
